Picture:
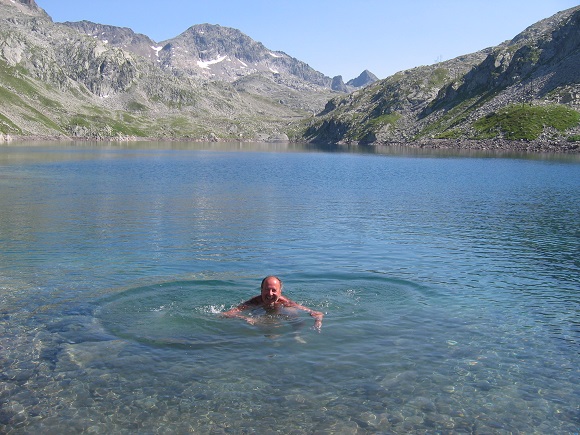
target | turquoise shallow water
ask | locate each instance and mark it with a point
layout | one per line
(449, 283)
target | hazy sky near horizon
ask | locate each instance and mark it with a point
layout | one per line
(335, 37)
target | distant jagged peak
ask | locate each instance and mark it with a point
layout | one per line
(338, 85)
(224, 53)
(365, 78)
(212, 40)
(207, 30)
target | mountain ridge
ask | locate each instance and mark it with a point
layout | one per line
(83, 79)
(203, 50)
(452, 100)
(93, 87)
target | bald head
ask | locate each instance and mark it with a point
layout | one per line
(271, 289)
(272, 277)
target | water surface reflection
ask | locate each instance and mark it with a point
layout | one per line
(449, 283)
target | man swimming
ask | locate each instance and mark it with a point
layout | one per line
(271, 300)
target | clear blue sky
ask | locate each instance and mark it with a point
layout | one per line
(335, 37)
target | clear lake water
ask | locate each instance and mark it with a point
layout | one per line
(450, 285)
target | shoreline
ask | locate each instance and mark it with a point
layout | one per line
(500, 145)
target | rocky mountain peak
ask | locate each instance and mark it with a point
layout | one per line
(94, 80)
(226, 54)
(29, 3)
(120, 37)
(364, 79)
(26, 7)
(338, 84)
(209, 41)
(535, 71)
(541, 28)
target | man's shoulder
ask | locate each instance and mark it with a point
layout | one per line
(256, 300)
(287, 302)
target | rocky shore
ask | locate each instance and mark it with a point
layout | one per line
(499, 145)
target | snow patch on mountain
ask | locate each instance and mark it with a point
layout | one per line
(206, 64)
(156, 50)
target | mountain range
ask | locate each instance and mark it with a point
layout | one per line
(89, 80)
(525, 89)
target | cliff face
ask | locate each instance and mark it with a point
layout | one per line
(539, 67)
(540, 60)
(57, 55)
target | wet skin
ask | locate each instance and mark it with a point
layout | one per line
(271, 299)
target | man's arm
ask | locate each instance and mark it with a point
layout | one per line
(237, 311)
(316, 314)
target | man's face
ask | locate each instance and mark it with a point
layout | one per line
(271, 291)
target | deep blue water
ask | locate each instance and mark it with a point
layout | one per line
(450, 286)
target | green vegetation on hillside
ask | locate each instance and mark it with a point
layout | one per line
(8, 127)
(359, 130)
(438, 78)
(387, 119)
(524, 122)
(104, 126)
(446, 126)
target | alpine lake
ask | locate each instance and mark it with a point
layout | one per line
(450, 284)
